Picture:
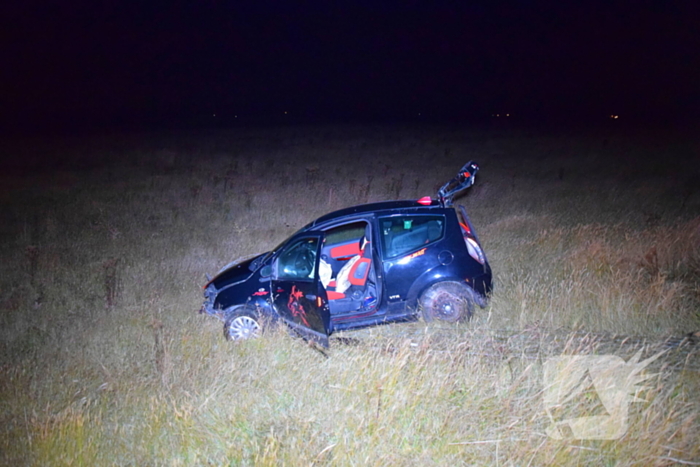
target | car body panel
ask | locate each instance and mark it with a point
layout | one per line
(304, 307)
(298, 297)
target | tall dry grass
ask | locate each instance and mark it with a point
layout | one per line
(105, 243)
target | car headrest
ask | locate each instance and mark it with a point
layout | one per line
(363, 242)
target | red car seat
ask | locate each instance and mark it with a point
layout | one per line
(358, 273)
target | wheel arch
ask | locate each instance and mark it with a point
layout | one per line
(424, 282)
(255, 304)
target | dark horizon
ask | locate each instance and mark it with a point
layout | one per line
(103, 65)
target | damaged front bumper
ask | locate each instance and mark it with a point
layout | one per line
(210, 293)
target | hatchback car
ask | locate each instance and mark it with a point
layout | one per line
(361, 266)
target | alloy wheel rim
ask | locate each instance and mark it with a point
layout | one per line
(244, 327)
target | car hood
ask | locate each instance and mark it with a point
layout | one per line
(237, 272)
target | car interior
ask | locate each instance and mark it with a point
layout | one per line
(348, 252)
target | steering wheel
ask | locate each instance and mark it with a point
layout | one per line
(304, 261)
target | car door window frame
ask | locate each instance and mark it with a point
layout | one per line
(278, 274)
(390, 252)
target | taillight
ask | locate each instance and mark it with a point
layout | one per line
(470, 238)
(475, 250)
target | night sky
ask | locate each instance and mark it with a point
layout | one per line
(102, 63)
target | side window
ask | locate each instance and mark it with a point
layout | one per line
(298, 260)
(346, 233)
(403, 234)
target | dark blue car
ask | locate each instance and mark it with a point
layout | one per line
(361, 266)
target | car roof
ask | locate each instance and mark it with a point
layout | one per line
(384, 207)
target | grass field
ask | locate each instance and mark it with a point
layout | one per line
(593, 237)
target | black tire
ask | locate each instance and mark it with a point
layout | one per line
(241, 324)
(447, 301)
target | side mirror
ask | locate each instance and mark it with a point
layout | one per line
(266, 271)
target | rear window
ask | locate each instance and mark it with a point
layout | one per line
(404, 234)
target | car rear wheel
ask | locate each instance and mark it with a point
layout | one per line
(447, 301)
(242, 324)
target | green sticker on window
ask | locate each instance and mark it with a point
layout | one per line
(407, 224)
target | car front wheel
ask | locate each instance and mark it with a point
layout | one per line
(447, 301)
(242, 324)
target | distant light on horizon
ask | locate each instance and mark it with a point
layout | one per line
(614, 117)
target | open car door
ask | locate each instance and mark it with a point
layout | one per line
(297, 293)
